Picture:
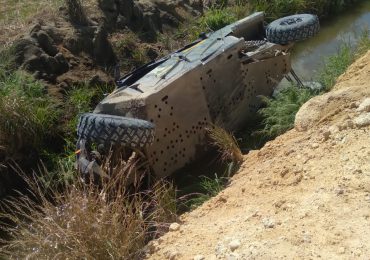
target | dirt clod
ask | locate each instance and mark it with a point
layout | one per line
(174, 227)
(234, 244)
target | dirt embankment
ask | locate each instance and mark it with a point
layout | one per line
(66, 49)
(304, 195)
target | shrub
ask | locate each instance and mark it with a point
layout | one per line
(279, 113)
(225, 143)
(84, 221)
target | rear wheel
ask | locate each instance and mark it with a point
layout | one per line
(292, 28)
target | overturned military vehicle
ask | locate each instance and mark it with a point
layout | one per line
(163, 107)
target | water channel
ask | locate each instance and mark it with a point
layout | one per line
(308, 56)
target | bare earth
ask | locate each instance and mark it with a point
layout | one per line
(305, 195)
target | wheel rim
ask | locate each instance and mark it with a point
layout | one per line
(291, 21)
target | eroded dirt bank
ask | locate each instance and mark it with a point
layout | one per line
(304, 195)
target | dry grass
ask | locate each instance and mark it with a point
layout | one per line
(86, 222)
(76, 12)
(225, 143)
(16, 16)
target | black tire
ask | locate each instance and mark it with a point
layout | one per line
(115, 130)
(292, 28)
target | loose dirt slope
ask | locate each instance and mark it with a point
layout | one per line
(304, 195)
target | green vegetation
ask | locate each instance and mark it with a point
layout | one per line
(79, 100)
(335, 66)
(278, 8)
(26, 113)
(279, 113)
(213, 19)
(223, 13)
(207, 187)
(130, 51)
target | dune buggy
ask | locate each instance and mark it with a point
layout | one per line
(163, 107)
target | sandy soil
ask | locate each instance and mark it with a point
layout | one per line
(305, 195)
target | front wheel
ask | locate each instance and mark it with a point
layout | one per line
(292, 28)
(112, 130)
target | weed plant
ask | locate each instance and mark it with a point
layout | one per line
(131, 51)
(208, 187)
(225, 143)
(279, 113)
(26, 113)
(213, 19)
(85, 221)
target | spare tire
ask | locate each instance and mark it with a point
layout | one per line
(292, 28)
(115, 130)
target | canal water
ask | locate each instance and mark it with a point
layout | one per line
(308, 56)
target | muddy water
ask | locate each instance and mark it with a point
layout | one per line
(308, 56)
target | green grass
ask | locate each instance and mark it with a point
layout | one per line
(279, 113)
(79, 100)
(131, 51)
(207, 188)
(336, 65)
(213, 19)
(27, 113)
(82, 99)
(278, 8)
